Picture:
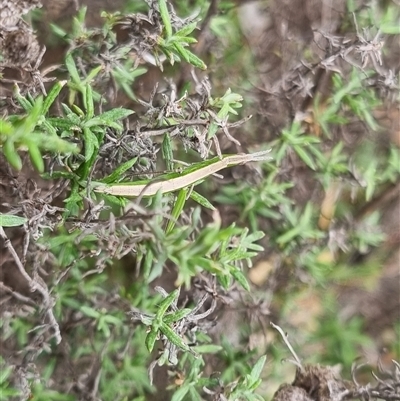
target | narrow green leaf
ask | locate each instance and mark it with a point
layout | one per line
(167, 151)
(201, 200)
(36, 157)
(345, 90)
(288, 236)
(89, 104)
(390, 29)
(28, 123)
(189, 56)
(181, 51)
(224, 280)
(166, 303)
(91, 143)
(162, 4)
(176, 316)
(8, 220)
(151, 337)
(255, 236)
(177, 209)
(115, 115)
(4, 373)
(231, 97)
(186, 30)
(252, 386)
(212, 130)
(195, 396)
(258, 368)
(77, 110)
(71, 67)
(52, 95)
(12, 155)
(304, 156)
(174, 338)
(119, 171)
(240, 278)
(98, 122)
(207, 348)
(181, 39)
(194, 60)
(92, 74)
(180, 394)
(58, 31)
(88, 311)
(26, 105)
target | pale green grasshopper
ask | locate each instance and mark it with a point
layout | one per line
(182, 181)
(172, 182)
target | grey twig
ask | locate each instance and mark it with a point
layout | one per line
(35, 286)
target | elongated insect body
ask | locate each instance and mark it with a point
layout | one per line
(176, 181)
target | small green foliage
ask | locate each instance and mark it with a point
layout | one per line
(300, 226)
(32, 131)
(304, 146)
(6, 391)
(366, 234)
(343, 339)
(225, 105)
(257, 201)
(218, 251)
(245, 388)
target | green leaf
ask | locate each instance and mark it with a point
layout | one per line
(36, 157)
(119, 171)
(26, 104)
(115, 115)
(166, 303)
(194, 395)
(73, 202)
(151, 337)
(207, 348)
(181, 40)
(88, 311)
(162, 4)
(288, 236)
(201, 200)
(12, 155)
(89, 104)
(176, 316)
(240, 278)
(58, 31)
(304, 156)
(189, 56)
(174, 338)
(77, 110)
(167, 151)
(258, 368)
(9, 220)
(91, 143)
(224, 280)
(212, 130)
(4, 373)
(181, 51)
(177, 209)
(180, 394)
(92, 74)
(52, 95)
(186, 30)
(231, 97)
(73, 72)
